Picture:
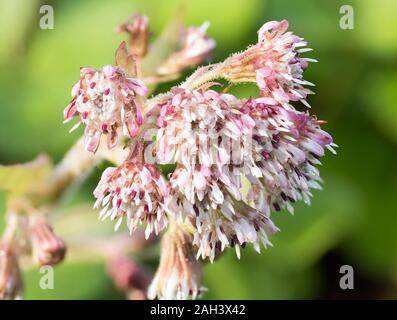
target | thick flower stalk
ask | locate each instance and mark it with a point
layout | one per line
(106, 100)
(179, 275)
(129, 276)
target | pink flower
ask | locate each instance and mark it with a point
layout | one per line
(212, 201)
(105, 100)
(274, 63)
(216, 139)
(133, 191)
(286, 147)
(199, 127)
(137, 27)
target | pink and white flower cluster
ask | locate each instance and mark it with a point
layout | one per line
(218, 144)
(274, 64)
(216, 140)
(106, 100)
(286, 147)
(133, 191)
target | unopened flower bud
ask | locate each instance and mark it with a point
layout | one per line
(179, 275)
(47, 247)
(137, 27)
(10, 276)
(128, 275)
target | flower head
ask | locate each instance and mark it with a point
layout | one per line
(216, 139)
(179, 275)
(137, 27)
(195, 127)
(106, 100)
(205, 133)
(274, 63)
(286, 147)
(196, 46)
(212, 202)
(133, 191)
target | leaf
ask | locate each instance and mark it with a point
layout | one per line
(125, 60)
(21, 178)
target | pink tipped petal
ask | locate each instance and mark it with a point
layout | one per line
(70, 111)
(131, 128)
(322, 137)
(138, 86)
(266, 100)
(248, 121)
(87, 70)
(92, 141)
(139, 119)
(274, 26)
(313, 146)
(112, 139)
(109, 71)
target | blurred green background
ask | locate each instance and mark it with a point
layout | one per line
(352, 221)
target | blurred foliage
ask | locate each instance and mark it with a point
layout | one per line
(354, 217)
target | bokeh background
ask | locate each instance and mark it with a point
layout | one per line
(352, 221)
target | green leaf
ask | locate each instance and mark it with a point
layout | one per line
(21, 178)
